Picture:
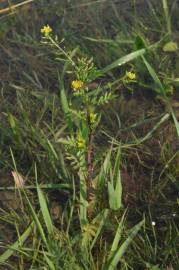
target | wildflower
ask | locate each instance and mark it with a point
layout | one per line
(80, 142)
(76, 85)
(130, 75)
(153, 223)
(93, 118)
(46, 30)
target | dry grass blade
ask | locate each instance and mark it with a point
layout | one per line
(13, 7)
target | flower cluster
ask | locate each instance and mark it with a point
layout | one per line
(46, 30)
(76, 85)
(130, 76)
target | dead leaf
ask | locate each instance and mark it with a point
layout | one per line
(18, 179)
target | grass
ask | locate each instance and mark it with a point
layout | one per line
(89, 169)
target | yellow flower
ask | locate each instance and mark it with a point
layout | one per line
(76, 85)
(46, 30)
(130, 75)
(93, 118)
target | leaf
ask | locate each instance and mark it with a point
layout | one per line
(45, 211)
(123, 60)
(140, 43)
(117, 237)
(115, 195)
(104, 170)
(36, 221)
(153, 267)
(49, 262)
(113, 262)
(170, 47)
(118, 192)
(111, 194)
(155, 77)
(175, 122)
(65, 106)
(14, 247)
(13, 125)
(44, 208)
(83, 199)
(115, 186)
(167, 16)
(18, 179)
(103, 217)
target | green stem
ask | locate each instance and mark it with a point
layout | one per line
(60, 49)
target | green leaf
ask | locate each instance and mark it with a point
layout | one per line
(170, 47)
(155, 77)
(36, 221)
(13, 125)
(117, 237)
(140, 43)
(49, 262)
(14, 247)
(45, 211)
(113, 262)
(115, 186)
(111, 194)
(115, 195)
(116, 172)
(103, 217)
(123, 60)
(44, 208)
(65, 106)
(104, 170)
(118, 192)
(175, 122)
(83, 198)
(167, 16)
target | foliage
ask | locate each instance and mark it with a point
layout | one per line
(89, 102)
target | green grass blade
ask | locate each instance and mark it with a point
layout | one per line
(44, 208)
(52, 149)
(167, 16)
(45, 211)
(104, 170)
(175, 122)
(118, 191)
(13, 248)
(102, 222)
(83, 199)
(117, 164)
(63, 97)
(155, 77)
(123, 60)
(111, 195)
(114, 185)
(117, 236)
(109, 41)
(36, 221)
(112, 264)
(44, 186)
(154, 129)
(49, 262)
(65, 106)
(117, 179)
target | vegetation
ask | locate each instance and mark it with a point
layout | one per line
(89, 135)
